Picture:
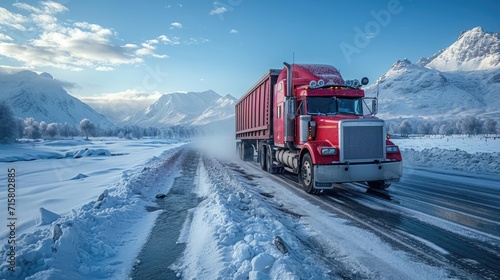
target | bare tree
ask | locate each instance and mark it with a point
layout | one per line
(43, 128)
(8, 124)
(469, 125)
(87, 128)
(406, 128)
(490, 126)
(52, 129)
(32, 129)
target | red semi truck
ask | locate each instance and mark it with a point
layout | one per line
(306, 119)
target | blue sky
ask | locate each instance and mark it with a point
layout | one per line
(102, 47)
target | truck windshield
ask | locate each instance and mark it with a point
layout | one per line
(334, 105)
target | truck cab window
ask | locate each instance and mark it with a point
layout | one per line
(332, 105)
(321, 106)
(350, 106)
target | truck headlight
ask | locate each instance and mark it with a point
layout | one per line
(392, 149)
(328, 151)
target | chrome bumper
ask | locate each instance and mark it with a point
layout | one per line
(342, 173)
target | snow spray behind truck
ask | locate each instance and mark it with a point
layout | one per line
(306, 119)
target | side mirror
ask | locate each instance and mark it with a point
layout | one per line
(374, 106)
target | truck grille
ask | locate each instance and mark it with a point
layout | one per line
(362, 140)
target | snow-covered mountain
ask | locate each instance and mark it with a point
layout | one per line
(191, 108)
(474, 50)
(118, 107)
(44, 99)
(220, 110)
(461, 80)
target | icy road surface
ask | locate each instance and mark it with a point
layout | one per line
(431, 226)
(220, 216)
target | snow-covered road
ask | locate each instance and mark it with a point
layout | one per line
(414, 232)
(220, 219)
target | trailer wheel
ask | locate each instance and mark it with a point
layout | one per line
(263, 158)
(246, 151)
(307, 174)
(269, 161)
(239, 150)
(379, 185)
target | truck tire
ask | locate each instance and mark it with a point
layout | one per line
(246, 151)
(249, 152)
(263, 157)
(307, 174)
(269, 161)
(378, 185)
(239, 150)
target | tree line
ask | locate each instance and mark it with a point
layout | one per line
(469, 125)
(13, 128)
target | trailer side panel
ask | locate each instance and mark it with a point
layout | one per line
(254, 116)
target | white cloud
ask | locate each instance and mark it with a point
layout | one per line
(218, 11)
(96, 29)
(195, 41)
(131, 46)
(175, 25)
(67, 46)
(26, 7)
(148, 49)
(4, 37)
(167, 41)
(234, 31)
(54, 7)
(11, 69)
(104, 68)
(12, 20)
(127, 95)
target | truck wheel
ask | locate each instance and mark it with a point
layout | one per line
(240, 151)
(379, 185)
(263, 158)
(269, 161)
(307, 174)
(246, 151)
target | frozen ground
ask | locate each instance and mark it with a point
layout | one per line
(478, 154)
(85, 218)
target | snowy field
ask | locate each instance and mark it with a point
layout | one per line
(478, 154)
(79, 209)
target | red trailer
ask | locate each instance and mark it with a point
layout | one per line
(254, 114)
(318, 126)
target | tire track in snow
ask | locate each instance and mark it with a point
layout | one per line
(162, 249)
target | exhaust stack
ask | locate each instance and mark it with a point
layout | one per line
(289, 110)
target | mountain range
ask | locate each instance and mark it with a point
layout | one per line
(42, 97)
(177, 108)
(460, 80)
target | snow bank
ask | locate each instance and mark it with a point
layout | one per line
(478, 154)
(98, 240)
(88, 153)
(23, 152)
(486, 163)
